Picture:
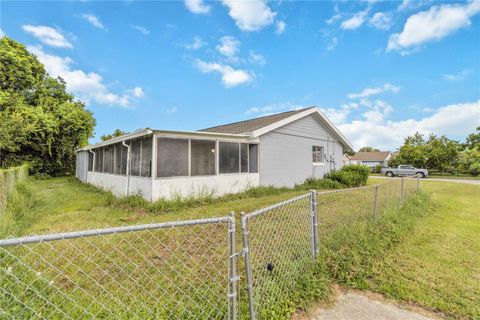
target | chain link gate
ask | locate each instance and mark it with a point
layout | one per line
(173, 270)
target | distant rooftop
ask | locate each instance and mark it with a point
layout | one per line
(251, 125)
(371, 156)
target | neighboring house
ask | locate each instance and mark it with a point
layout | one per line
(280, 150)
(372, 159)
(346, 159)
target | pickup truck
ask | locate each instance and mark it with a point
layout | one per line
(405, 170)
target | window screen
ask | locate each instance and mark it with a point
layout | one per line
(202, 157)
(253, 158)
(244, 157)
(98, 159)
(90, 161)
(123, 168)
(108, 159)
(146, 158)
(229, 157)
(172, 157)
(135, 150)
(317, 153)
(118, 158)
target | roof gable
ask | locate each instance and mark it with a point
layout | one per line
(260, 126)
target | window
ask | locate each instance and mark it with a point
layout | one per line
(253, 158)
(118, 158)
(98, 159)
(202, 157)
(229, 157)
(172, 157)
(90, 161)
(244, 157)
(146, 157)
(318, 154)
(108, 159)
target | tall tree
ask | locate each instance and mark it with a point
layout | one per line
(368, 149)
(40, 122)
(473, 140)
(116, 133)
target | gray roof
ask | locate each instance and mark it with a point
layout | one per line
(251, 125)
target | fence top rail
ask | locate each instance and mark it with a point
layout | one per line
(347, 189)
(275, 206)
(108, 231)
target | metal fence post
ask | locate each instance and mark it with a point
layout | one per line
(247, 265)
(232, 267)
(314, 215)
(402, 189)
(418, 183)
(375, 203)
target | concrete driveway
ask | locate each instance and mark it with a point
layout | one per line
(354, 306)
(476, 182)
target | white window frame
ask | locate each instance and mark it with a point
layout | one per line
(315, 153)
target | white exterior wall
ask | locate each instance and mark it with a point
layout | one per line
(200, 185)
(117, 184)
(285, 154)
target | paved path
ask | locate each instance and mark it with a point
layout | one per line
(352, 306)
(477, 182)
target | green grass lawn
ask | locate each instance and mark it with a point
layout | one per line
(438, 266)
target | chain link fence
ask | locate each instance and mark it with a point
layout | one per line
(185, 269)
(178, 270)
(281, 242)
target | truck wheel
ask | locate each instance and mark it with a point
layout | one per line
(421, 175)
(390, 174)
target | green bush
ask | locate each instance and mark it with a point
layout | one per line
(350, 175)
(474, 169)
(317, 184)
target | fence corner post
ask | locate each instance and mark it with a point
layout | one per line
(248, 270)
(314, 222)
(375, 204)
(232, 279)
(418, 184)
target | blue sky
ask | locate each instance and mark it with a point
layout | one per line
(379, 70)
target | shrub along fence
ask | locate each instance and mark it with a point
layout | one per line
(185, 269)
(8, 179)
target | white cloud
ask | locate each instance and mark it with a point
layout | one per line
(456, 120)
(332, 43)
(141, 29)
(230, 77)
(228, 47)
(250, 15)
(333, 19)
(171, 110)
(48, 36)
(86, 86)
(367, 92)
(196, 44)
(433, 25)
(381, 21)
(2, 34)
(457, 76)
(197, 6)
(404, 5)
(256, 58)
(280, 28)
(355, 22)
(94, 21)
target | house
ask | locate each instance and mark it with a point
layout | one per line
(280, 150)
(346, 159)
(372, 159)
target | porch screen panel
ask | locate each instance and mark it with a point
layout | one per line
(90, 161)
(108, 159)
(244, 157)
(118, 158)
(229, 157)
(136, 146)
(146, 158)
(123, 167)
(253, 158)
(98, 159)
(172, 157)
(203, 157)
